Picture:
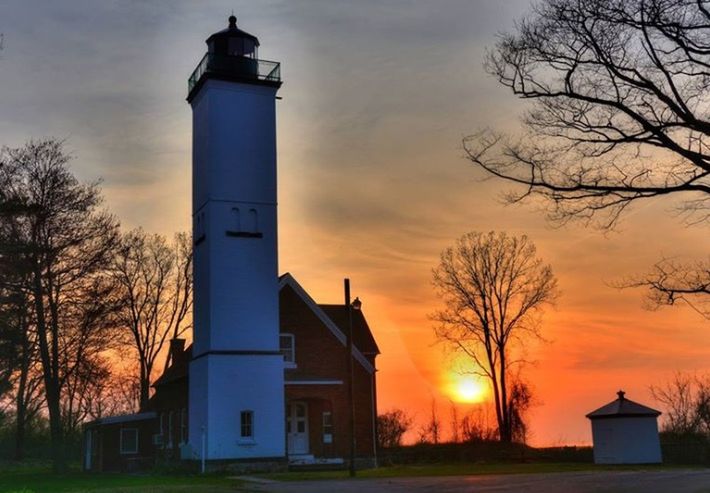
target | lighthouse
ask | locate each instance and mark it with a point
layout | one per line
(236, 383)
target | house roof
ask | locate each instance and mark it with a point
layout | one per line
(363, 339)
(177, 370)
(362, 335)
(124, 418)
(622, 407)
(288, 280)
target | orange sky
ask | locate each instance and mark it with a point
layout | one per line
(372, 182)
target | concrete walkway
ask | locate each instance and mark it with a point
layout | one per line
(670, 481)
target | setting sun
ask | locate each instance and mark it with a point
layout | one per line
(468, 389)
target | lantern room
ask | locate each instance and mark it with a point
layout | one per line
(233, 55)
(233, 42)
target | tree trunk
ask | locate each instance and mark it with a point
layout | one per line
(51, 380)
(145, 386)
(21, 400)
(506, 435)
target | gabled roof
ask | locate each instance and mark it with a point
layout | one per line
(622, 407)
(362, 336)
(334, 317)
(288, 279)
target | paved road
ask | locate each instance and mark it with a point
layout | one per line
(676, 481)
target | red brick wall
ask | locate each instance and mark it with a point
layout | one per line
(107, 454)
(320, 354)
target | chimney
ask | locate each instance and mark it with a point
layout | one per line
(621, 395)
(177, 350)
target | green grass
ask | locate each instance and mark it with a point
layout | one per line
(35, 478)
(41, 480)
(461, 469)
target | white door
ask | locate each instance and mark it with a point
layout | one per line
(297, 428)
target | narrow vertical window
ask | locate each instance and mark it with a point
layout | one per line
(327, 427)
(287, 347)
(253, 221)
(247, 424)
(161, 431)
(170, 429)
(236, 219)
(183, 425)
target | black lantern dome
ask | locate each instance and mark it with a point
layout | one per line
(233, 42)
(232, 55)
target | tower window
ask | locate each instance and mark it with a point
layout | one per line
(236, 219)
(247, 424)
(287, 347)
(253, 221)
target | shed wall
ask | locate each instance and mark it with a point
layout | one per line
(626, 440)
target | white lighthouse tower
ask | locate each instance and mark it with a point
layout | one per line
(236, 396)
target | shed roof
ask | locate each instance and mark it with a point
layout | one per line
(622, 407)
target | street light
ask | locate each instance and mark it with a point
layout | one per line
(355, 305)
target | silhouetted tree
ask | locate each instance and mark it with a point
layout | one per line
(63, 242)
(391, 427)
(619, 92)
(519, 403)
(155, 287)
(493, 287)
(475, 426)
(686, 401)
(455, 424)
(431, 431)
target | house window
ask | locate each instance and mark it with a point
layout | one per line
(327, 427)
(170, 429)
(183, 425)
(247, 424)
(287, 347)
(128, 440)
(161, 431)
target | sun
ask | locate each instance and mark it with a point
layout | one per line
(468, 389)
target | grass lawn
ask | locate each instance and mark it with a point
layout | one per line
(41, 480)
(462, 469)
(38, 479)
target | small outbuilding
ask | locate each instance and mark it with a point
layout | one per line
(625, 432)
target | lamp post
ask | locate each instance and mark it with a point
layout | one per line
(355, 305)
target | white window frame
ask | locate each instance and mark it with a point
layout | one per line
(120, 441)
(292, 337)
(242, 424)
(327, 437)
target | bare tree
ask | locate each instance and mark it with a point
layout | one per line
(391, 427)
(455, 424)
(63, 242)
(476, 427)
(431, 431)
(155, 282)
(493, 288)
(619, 93)
(686, 400)
(518, 404)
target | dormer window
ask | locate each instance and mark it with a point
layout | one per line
(287, 347)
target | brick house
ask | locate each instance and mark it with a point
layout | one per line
(313, 341)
